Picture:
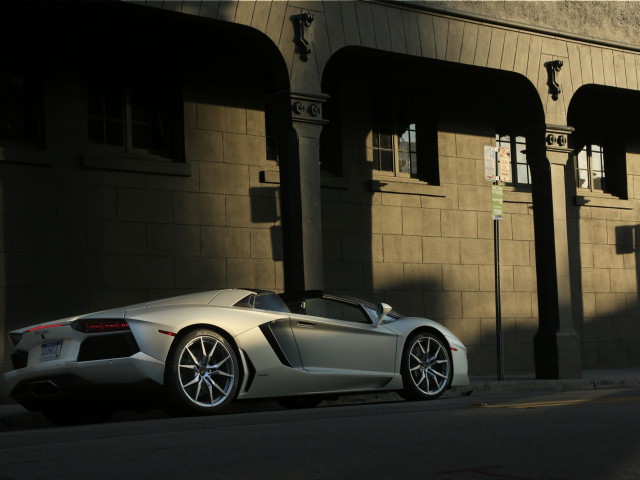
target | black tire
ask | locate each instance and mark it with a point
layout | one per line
(202, 374)
(295, 403)
(426, 367)
(76, 414)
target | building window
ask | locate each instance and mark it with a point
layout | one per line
(520, 172)
(20, 112)
(21, 86)
(405, 150)
(396, 153)
(590, 168)
(132, 115)
(383, 152)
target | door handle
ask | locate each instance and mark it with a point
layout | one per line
(303, 324)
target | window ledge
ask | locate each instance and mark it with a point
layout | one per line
(25, 156)
(408, 188)
(135, 164)
(326, 181)
(603, 202)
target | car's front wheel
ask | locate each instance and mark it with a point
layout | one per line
(426, 367)
(202, 374)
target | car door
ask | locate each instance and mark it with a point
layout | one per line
(336, 337)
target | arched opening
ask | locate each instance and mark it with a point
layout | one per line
(136, 174)
(409, 221)
(604, 254)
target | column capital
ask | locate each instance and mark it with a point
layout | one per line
(289, 106)
(550, 140)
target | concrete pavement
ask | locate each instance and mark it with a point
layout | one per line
(13, 416)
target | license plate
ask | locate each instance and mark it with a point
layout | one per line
(50, 351)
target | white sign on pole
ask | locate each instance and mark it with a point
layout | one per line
(490, 173)
(505, 164)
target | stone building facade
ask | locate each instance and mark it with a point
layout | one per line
(336, 145)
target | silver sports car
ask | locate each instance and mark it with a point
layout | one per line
(196, 353)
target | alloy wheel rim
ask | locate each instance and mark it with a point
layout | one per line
(429, 365)
(206, 371)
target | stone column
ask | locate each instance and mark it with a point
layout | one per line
(297, 122)
(556, 344)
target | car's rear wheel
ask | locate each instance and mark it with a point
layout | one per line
(426, 367)
(202, 374)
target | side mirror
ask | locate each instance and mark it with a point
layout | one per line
(381, 311)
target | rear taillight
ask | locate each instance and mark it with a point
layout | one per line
(100, 326)
(41, 327)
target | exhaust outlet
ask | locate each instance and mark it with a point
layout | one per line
(43, 388)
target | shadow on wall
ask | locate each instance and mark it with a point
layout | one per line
(389, 243)
(604, 238)
(76, 238)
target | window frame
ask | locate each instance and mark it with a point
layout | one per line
(587, 148)
(126, 69)
(515, 154)
(173, 149)
(424, 151)
(394, 151)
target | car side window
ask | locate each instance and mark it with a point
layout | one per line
(270, 302)
(327, 308)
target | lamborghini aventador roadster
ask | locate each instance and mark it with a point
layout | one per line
(196, 353)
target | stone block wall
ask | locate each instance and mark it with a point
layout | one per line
(433, 255)
(78, 235)
(604, 236)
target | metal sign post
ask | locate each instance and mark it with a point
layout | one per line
(497, 167)
(497, 197)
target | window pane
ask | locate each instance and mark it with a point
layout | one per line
(504, 139)
(17, 115)
(403, 141)
(139, 136)
(520, 148)
(96, 131)
(598, 181)
(414, 165)
(522, 174)
(582, 159)
(386, 160)
(596, 158)
(138, 110)
(376, 139)
(583, 179)
(376, 160)
(385, 141)
(95, 105)
(113, 133)
(404, 162)
(113, 105)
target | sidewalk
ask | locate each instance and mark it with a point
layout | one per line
(14, 416)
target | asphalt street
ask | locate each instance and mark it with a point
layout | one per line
(534, 435)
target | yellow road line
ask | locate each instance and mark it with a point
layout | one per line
(559, 403)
